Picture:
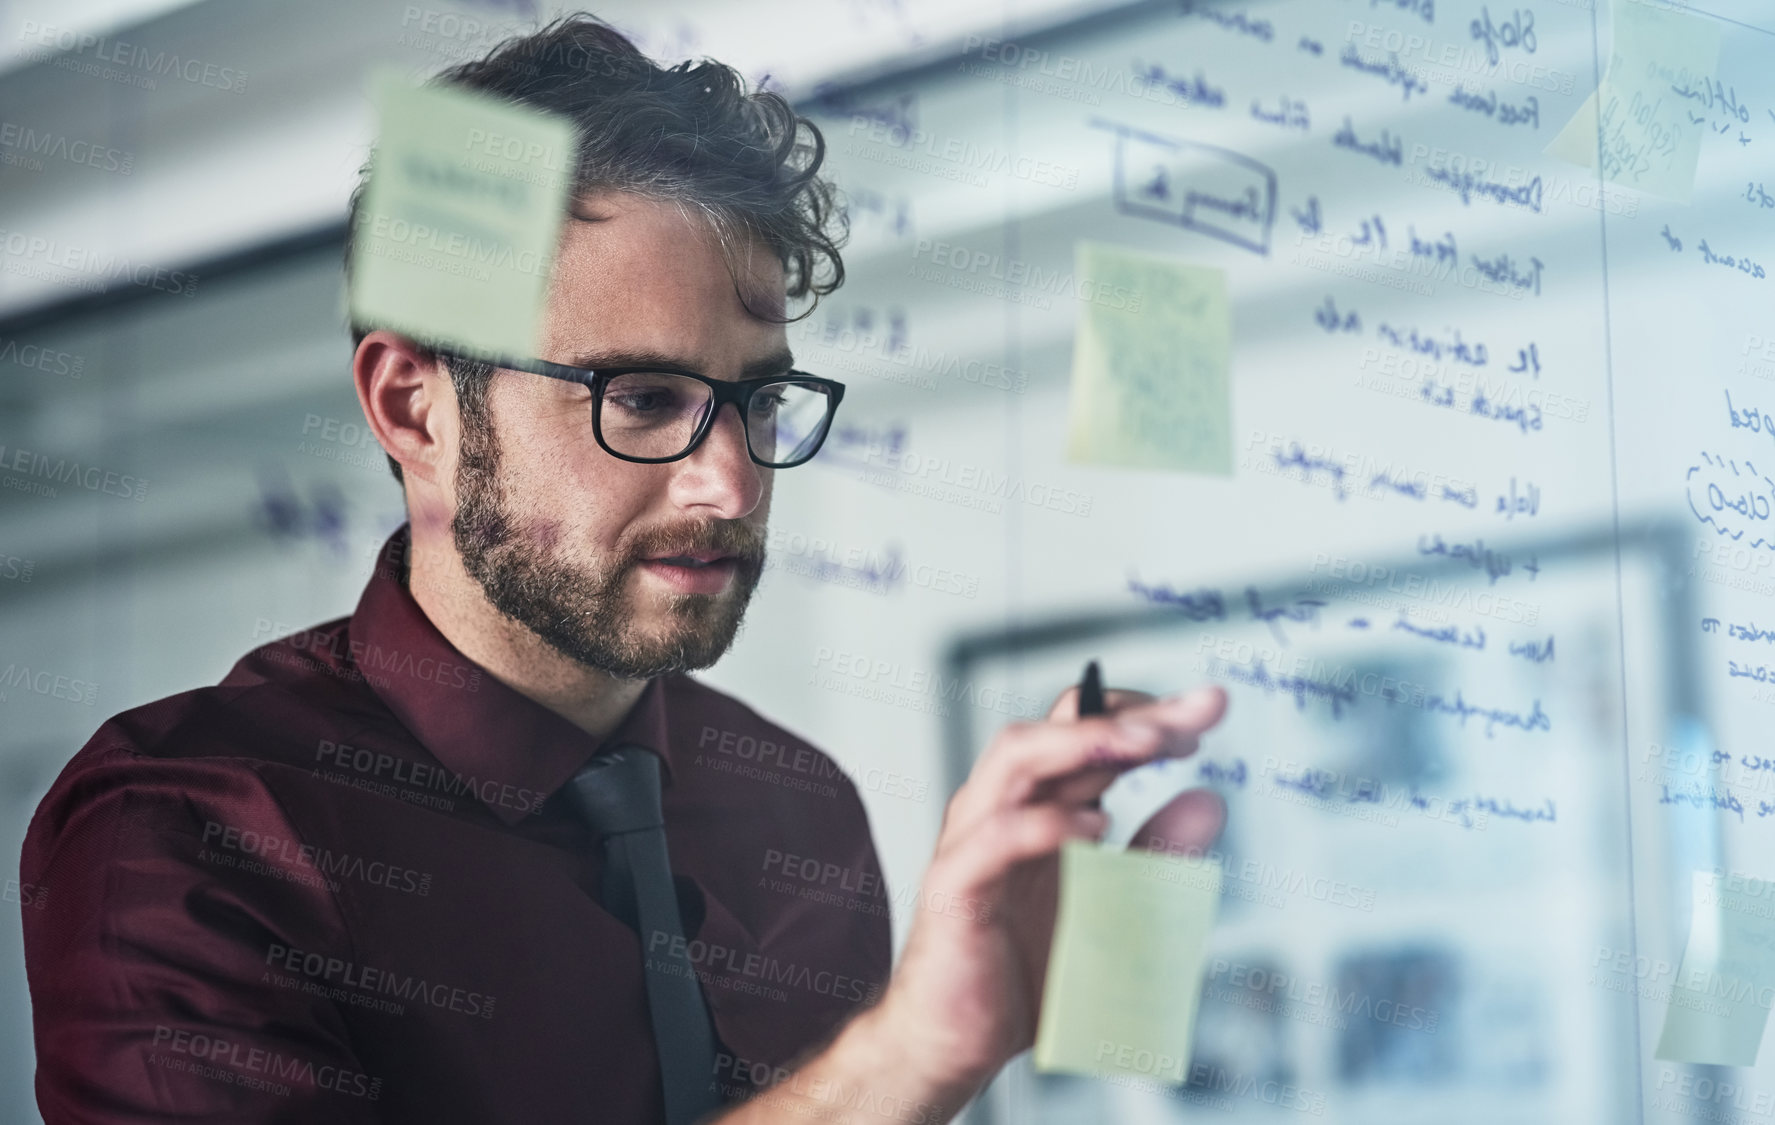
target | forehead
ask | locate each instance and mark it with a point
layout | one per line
(650, 275)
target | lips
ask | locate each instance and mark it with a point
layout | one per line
(698, 572)
(691, 558)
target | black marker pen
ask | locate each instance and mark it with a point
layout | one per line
(1091, 702)
(1091, 691)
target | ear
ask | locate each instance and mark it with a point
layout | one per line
(408, 402)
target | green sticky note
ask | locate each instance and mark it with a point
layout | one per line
(1649, 142)
(1125, 967)
(1149, 363)
(1719, 1003)
(457, 234)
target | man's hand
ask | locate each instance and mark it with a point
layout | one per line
(967, 992)
(965, 997)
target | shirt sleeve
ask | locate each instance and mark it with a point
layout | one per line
(167, 895)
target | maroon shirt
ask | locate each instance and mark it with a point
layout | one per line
(339, 886)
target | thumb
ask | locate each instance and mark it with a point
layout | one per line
(1188, 825)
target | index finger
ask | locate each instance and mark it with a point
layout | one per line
(1194, 710)
(1067, 706)
(1020, 761)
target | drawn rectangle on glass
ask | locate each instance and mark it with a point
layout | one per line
(1201, 187)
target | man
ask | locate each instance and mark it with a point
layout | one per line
(359, 879)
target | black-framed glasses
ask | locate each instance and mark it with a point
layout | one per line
(660, 413)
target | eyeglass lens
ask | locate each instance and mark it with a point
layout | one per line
(655, 414)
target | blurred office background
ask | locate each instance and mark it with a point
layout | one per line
(240, 498)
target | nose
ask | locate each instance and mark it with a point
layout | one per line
(719, 474)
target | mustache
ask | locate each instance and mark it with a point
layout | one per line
(741, 540)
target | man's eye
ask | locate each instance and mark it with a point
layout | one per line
(639, 402)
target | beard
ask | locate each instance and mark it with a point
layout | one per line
(583, 610)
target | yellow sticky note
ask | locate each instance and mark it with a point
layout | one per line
(457, 233)
(1649, 142)
(1125, 967)
(1149, 363)
(1719, 1003)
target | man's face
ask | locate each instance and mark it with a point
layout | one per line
(559, 533)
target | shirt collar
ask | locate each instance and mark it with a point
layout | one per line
(511, 750)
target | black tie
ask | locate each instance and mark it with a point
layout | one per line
(618, 794)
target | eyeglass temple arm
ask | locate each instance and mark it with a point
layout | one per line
(531, 366)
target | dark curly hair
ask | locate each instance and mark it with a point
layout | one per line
(689, 133)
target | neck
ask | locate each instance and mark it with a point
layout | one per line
(591, 700)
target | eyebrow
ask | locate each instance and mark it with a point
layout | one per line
(774, 364)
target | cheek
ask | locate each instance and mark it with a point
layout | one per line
(596, 500)
(547, 535)
(575, 496)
